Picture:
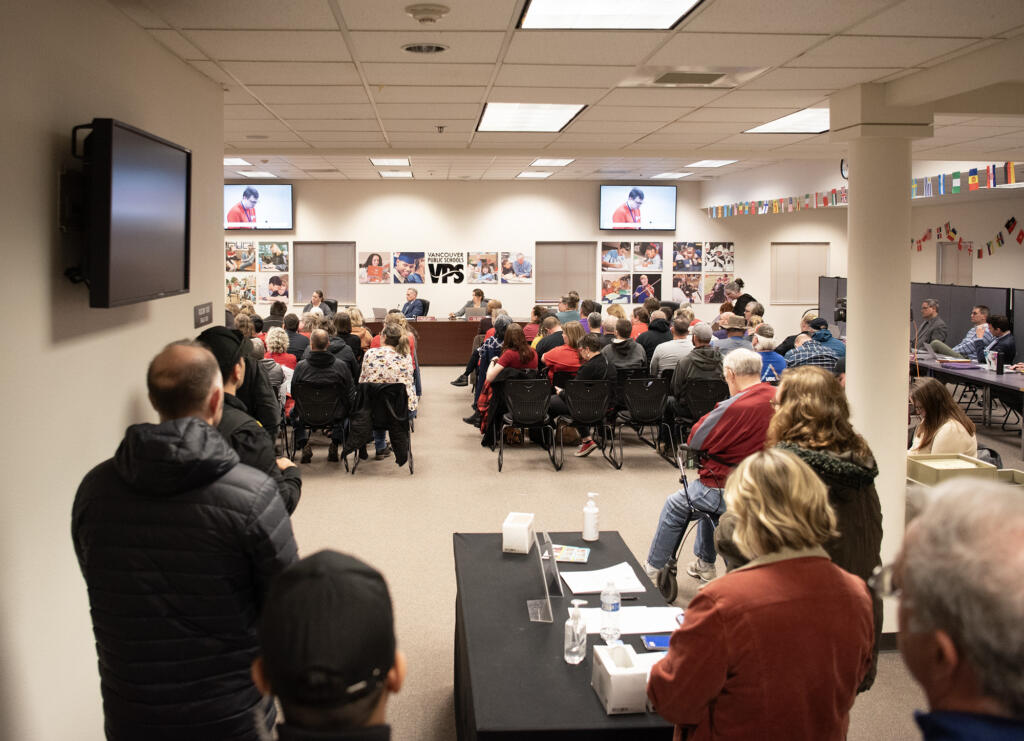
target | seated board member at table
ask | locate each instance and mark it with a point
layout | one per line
(316, 301)
(476, 302)
(977, 336)
(412, 307)
(1004, 343)
(775, 649)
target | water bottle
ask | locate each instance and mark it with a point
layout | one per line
(590, 518)
(999, 363)
(610, 602)
(575, 634)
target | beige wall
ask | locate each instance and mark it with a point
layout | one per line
(75, 376)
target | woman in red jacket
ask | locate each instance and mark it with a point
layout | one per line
(565, 357)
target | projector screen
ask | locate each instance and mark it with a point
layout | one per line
(257, 206)
(639, 207)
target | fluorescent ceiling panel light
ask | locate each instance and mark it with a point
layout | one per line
(389, 161)
(534, 117)
(606, 14)
(236, 162)
(542, 162)
(256, 174)
(807, 121)
(396, 174)
(535, 174)
(670, 175)
(711, 163)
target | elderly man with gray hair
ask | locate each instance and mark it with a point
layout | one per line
(961, 613)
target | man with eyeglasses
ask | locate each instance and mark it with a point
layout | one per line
(961, 610)
(977, 337)
(243, 214)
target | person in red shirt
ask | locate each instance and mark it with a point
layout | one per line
(243, 214)
(641, 322)
(627, 216)
(565, 357)
(777, 648)
(515, 353)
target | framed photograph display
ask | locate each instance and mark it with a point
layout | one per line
(272, 287)
(616, 288)
(686, 288)
(409, 267)
(516, 267)
(616, 256)
(374, 267)
(714, 287)
(719, 257)
(483, 267)
(647, 256)
(687, 257)
(240, 257)
(239, 287)
(273, 257)
(645, 286)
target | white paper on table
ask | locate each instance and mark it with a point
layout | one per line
(593, 582)
(635, 620)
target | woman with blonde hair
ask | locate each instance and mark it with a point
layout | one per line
(778, 647)
(565, 357)
(358, 327)
(617, 311)
(945, 427)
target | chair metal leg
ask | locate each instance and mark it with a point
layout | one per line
(550, 432)
(501, 446)
(561, 448)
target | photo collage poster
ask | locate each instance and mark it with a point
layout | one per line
(409, 267)
(240, 257)
(239, 287)
(482, 267)
(719, 267)
(516, 267)
(374, 268)
(687, 262)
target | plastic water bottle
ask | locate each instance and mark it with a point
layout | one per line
(590, 515)
(575, 634)
(610, 603)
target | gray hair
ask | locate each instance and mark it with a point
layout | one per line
(608, 323)
(962, 562)
(258, 347)
(594, 320)
(756, 308)
(414, 291)
(743, 362)
(277, 340)
(766, 339)
(932, 303)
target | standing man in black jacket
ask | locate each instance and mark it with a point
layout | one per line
(322, 368)
(178, 543)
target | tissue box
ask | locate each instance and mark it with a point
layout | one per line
(618, 680)
(517, 532)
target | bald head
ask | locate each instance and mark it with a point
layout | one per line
(184, 380)
(318, 339)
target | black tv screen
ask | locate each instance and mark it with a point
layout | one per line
(258, 206)
(139, 190)
(638, 207)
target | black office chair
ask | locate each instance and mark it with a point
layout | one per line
(527, 404)
(319, 407)
(426, 306)
(621, 376)
(559, 379)
(645, 407)
(389, 404)
(589, 403)
(332, 304)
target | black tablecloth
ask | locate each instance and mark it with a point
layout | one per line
(511, 681)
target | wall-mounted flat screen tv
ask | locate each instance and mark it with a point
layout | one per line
(639, 207)
(138, 188)
(258, 206)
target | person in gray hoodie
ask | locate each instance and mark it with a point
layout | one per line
(703, 363)
(624, 352)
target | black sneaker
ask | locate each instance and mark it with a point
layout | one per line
(381, 454)
(307, 453)
(461, 381)
(332, 452)
(362, 453)
(474, 420)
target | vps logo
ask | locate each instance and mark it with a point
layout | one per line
(444, 272)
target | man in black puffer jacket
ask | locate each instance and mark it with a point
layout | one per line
(178, 543)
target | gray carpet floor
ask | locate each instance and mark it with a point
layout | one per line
(403, 525)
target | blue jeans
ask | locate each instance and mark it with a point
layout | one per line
(677, 514)
(380, 438)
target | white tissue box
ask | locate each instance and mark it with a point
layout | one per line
(517, 532)
(619, 681)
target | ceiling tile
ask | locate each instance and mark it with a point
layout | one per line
(294, 73)
(999, 122)
(334, 124)
(271, 94)
(350, 137)
(704, 127)
(272, 46)
(244, 146)
(251, 14)
(584, 96)
(564, 75)
(525, 140)
(438, 94)
(214, 72)
(935, 18)
(731, 50)
(792, 16)
(619, 139)
(684, 140)
(429, 110)
(384, 73)
(429, 125)
(751, 115)
(299, 110)
(617, 127)
(246, 112)
(247, 125)
(603, 112)
(582, 47)
(237, 95)
(178, 44)
(262, 135)
(139, 12)
(771, 98)
(460, 137)
(808, 78)
(465, 15)
(767, 141)
(876, 51)
(649, 96)
(463, 46)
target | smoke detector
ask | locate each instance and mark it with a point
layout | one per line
(427, 13)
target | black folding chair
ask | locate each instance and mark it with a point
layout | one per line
(317, 407)
(527, 404)
(560, 378)
(589, 403)
(393, 408)
(700, 397)
(287, 445)
(621, 376)
(645, 407)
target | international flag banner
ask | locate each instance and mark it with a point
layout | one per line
(990, 173)
(989, 245)
(928, 185)
(1011, 176)
(919, 245)
(999, 238)
(1020, 237)
(1011, 225)
(956, 183)
(953, 231)
(835, 200)
(913, 189)
(942, 185)
(949, 232)
(981, 254)
(928, 234)
(960, 245)
(972, 179)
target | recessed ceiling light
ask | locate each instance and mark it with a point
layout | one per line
(235, 162)
(396, 174)
(807, 121)
(425, 48)
(605, 14)
(670, 175)
(711, 163)
(546, 162)
(536, 117)
(389, 161)
(535, 174)
(256, 174)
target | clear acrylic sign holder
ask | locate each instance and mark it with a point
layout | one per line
(540, 609)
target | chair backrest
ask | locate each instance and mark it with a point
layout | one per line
(332, 304)
(561, 378)
(396, 401)
(624, 374)
(426, 306)
(701, 396)
(527, 401)
(318, 405)
(645, 399)
(588, 401)
(666, 373)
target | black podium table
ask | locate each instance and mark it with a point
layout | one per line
(511, 681)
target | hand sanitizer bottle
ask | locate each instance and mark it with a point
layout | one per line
(575, 634)
(590, 511)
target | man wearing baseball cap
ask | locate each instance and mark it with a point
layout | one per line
(328, 650)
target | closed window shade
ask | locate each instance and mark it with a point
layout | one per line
(326, 266)
(564, 267)
(795, 270)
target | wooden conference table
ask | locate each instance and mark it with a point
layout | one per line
(511, 681)
(981, 377)
(441, 341)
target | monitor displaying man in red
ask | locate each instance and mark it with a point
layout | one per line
(627, 216)
(243, 214)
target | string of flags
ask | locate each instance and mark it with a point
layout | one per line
(952, 235)
(953, 183)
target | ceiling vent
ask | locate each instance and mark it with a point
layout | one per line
(425, 48)
(689, 78)
(697, 76)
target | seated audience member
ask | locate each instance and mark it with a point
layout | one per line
(812, 421)
(338, 346)
(961, 610)
(244, 324)
(243, 433)
(735, 335)
(1004, 343)
(840, 371)
(551, 336)
(568, 308)
(651, 305)
(516, 353)
(595, 368)
(640, 322)
(658, 331)
(623, 351)
(686, 313)
(788, 344)
(703, 363)
(532, 329)
(753, 309)
(666, 355)
(412, 307)
(322, 368)
(312, 320)
(608, 328)
(328, 652)
(773, 364)
(277, 348)
(257, 323)
(358, 327)
(588, 306)
(276, 318)
(730, 432)
(475, 302)
(752, 324)
(565, 358)
(317, 302)
(257, 393)
(390, 363)
(342, 323)
(931, 327)
(724, 309)
(473, 364)
(593, 323)
(977, 337)
(808, 351)
(492, 347)
(297, 342)
(274, 372)
(944, 427)
(778, 648)
(616, 311)
(820, 333)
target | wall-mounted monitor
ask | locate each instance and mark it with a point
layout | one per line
(258, 206)
(638, 207)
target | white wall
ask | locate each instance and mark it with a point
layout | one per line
(75, 377)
